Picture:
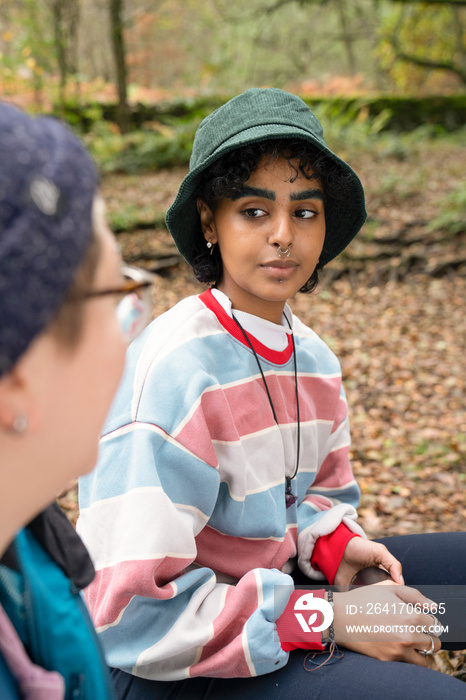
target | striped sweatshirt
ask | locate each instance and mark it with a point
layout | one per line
(185, 514)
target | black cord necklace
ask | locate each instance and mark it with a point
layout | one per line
(290, 498)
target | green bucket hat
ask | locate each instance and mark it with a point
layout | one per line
(259, 115)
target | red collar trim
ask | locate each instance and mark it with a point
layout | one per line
(278, 357)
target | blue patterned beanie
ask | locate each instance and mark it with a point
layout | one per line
(47, 186)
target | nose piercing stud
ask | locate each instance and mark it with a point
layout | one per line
(283, 253)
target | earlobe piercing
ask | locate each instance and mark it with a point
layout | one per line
(20, 424)
(283, 253)
(210, 245)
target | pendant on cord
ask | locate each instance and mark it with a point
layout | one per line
(290, 498)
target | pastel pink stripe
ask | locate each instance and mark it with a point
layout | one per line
(113, 587)
(225, 650)
(335, 471)
(321, 502)
(249, 408)
(236, 556)
(319, 397)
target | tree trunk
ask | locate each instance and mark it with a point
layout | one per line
(119, 54)
(60, 48)
(347, 40)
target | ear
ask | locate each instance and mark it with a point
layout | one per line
(22, 387)
(207, 221)
(12, 398)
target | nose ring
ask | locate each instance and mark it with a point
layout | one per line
(283, 253)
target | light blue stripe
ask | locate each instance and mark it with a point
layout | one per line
(259, 515)
(144, 458)
(350, 495)
(176, 382)
(313, 355)
(264, 645)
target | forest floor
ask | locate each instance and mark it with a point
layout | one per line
(392, 309)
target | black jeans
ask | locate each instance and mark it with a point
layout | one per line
(428, 560)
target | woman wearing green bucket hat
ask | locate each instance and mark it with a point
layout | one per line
(224, 478)
(255, 116)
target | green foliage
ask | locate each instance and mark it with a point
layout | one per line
(141, 151)
(452, 215)
(131, 216)
(410, 112)
(418, 34)
(27, 45)
(402, 146)
(168, 144)
(351, 128)
(435, 114)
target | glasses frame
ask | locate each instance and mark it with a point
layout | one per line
(140, 280)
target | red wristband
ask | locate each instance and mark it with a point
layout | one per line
(329, 549)
(291, 632)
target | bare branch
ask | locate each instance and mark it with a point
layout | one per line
(426, 63)
(453, 3)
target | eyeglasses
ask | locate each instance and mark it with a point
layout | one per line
(134, 310)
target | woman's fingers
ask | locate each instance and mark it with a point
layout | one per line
(415, 597)
(388, 622)
(422, 651)
(391, 564)
(359, 554)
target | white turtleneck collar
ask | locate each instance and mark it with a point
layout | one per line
(272, 335)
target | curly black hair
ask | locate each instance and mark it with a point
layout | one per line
(226, 176)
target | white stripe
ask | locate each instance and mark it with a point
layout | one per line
(221, 606)
(250, 436)
(146, 489)
(266, 459)
(241, 499)
(282, 427)
(244, 636)
(319, 375)
(313, 506)
(260, 592)
(346, 443)
(176, 652)
(119, 528)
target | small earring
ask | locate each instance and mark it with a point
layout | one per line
(20, 424)
(210, 245)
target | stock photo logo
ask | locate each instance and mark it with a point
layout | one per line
(305, 617)
(307, 604)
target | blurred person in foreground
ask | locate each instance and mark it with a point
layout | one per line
(67, 312)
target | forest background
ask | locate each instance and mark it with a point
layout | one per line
(387, 79)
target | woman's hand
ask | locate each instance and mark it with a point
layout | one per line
(396, 626)
(361, 553)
